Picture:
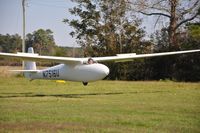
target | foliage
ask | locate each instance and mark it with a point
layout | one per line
(107, 28)
(185, 67)
(42, 41)
(10, 43)
(194, 31)
(68, 52)
(177, 13)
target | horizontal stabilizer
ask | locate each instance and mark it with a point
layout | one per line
(24, 71)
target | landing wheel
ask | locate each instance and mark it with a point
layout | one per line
(85, 83)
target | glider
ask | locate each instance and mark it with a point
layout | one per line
(75, 69)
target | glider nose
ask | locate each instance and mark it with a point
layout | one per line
(106, 70)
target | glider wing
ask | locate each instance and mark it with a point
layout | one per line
(71, 60)
(131, 56)
(36, 57)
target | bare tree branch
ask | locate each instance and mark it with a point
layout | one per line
(160, 9)
(191, 8)
(186, 20)
(154, 7)
(150, 14)
(158, 2)
(156, 21)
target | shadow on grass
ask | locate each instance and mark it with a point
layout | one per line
(31, 94)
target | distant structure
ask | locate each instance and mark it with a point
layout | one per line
(24, 30)
(24, 26)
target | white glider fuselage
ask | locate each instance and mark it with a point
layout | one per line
(80, 72)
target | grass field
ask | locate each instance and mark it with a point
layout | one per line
(103, 106)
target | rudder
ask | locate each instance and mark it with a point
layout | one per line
(30, 65)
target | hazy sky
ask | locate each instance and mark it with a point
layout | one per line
(45, 14)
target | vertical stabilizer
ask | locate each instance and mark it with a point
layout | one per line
(30, 65)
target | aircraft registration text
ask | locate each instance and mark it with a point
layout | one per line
(51, 73)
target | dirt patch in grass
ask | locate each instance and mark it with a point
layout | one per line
(5, 71)
(40, 126)
(52, 127)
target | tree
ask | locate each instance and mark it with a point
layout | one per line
(42, 41)
(10, 43)
(106, 28)
(184, 67)
(178, 12)
(187, 67)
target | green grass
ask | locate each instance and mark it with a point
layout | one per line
(103, 106)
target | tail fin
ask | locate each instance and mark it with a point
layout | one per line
(30, 65)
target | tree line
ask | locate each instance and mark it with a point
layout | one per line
(41, 40)
(110, 27)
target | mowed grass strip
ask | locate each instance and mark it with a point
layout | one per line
(103, 106)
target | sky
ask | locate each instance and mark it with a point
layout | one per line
(45, 14)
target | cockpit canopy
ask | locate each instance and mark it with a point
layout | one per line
(90, 61)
